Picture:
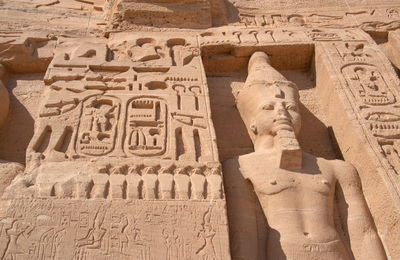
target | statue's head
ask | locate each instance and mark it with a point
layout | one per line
(268, 102)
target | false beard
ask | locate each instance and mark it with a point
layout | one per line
(290, 155)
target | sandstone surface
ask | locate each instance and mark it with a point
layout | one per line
(199, 129)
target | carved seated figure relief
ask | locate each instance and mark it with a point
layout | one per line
(314, 208)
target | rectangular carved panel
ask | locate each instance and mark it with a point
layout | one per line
(123, 161)
(371, 86)
(359, 91)
(140, 230)
(126, 103)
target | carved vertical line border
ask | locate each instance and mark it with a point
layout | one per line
(380, 61)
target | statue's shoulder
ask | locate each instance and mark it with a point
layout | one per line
(341, 169)
(239, 164)
(241, 159)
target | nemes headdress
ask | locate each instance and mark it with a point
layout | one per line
(262, 81)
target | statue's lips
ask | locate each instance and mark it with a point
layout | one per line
(282, 124)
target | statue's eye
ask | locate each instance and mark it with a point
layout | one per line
(292, 107)
(268, 107)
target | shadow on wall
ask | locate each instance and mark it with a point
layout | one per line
(233, 12)
(226, 70)
(388, 46)
(232, 136)
(314, 137)
(15, 135)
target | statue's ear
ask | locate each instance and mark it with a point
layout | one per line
(253, 127)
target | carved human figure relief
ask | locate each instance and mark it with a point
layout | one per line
(134, 182)
(83, 186)
(166, 180)
(117, 184)
(182, 183)
(214, 181)
(296, 190)
(150, 183)
(197, 180)
(100, 186)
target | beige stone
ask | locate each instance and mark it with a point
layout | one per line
(298, 196)
(129, 128)
(4, 98)
(170, 129)
(125, 15)
(394, 43)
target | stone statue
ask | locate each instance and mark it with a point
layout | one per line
(314, 208)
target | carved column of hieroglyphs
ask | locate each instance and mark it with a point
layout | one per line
(371, 87)
(123, 161)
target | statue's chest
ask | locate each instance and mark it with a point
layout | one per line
(277, 181)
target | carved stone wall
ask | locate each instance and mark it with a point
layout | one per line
(68, 229)
(138, 112)
(124, 125)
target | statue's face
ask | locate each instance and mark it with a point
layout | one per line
(277, 112)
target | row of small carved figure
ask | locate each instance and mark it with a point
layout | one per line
(141, 169)
(148, 183)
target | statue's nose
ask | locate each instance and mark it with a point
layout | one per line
(280, 109)
(280, 112)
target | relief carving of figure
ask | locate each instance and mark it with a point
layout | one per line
(94, 237)
(207, 250)
(16, 229)
(314, 207)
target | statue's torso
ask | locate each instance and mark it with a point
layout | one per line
(299, 206)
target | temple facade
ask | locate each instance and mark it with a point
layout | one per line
(199, 129)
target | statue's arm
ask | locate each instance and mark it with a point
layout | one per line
(241, 207)
(355, 216)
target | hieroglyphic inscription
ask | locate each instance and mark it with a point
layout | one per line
(129, 96)
(55, 229)
(147, 126)
(371, 86)
(369, 19)
(122, 154)
(254, 37)
(367, 84)
(98, 123)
